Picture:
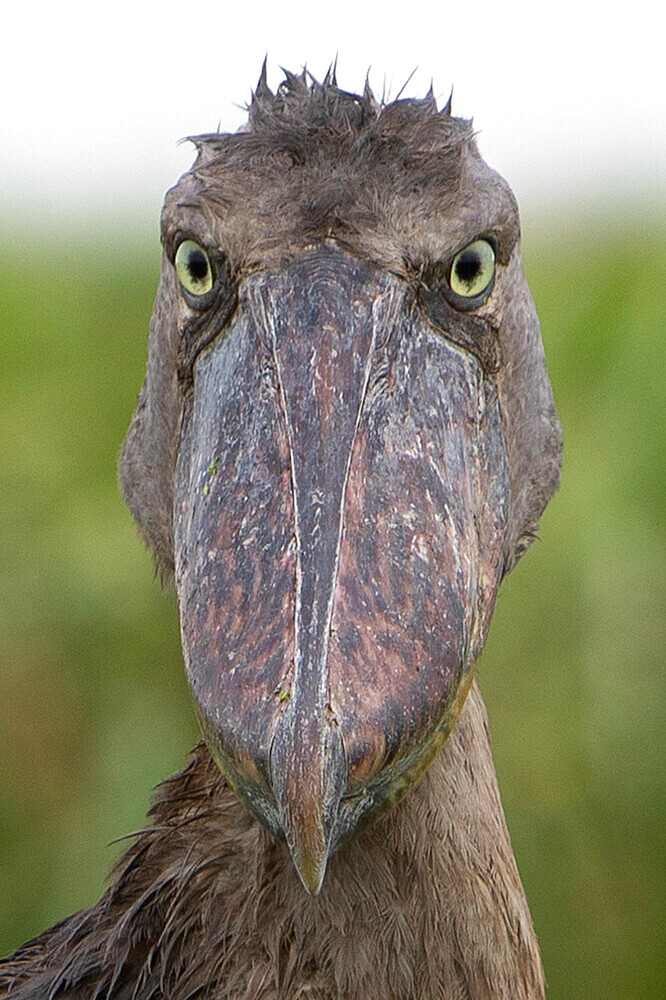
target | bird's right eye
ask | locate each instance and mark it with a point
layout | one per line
(193, 268)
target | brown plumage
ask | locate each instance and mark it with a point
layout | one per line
(339, 457)
(426, 903)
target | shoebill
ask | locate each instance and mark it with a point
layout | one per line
(345, 439)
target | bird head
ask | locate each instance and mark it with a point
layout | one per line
(345, 438)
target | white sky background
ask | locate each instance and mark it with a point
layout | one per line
(568, 97)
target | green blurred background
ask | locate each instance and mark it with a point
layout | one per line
(93, 704)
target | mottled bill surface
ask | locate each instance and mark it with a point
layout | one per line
(340, 509)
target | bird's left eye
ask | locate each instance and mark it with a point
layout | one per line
(473, 270)
(193, 268)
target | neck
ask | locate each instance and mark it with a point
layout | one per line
(426, 904)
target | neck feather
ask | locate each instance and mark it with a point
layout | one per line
(425, 905)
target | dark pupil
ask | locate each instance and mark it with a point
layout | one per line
(468, 266)
(197, 265)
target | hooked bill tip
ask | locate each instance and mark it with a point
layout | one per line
(308, 824)
(309, 819)
(309, 778)
(311, 867)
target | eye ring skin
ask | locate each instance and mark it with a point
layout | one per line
(208, 316)
(454, 315)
